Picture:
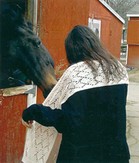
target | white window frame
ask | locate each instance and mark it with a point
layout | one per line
(95, 25)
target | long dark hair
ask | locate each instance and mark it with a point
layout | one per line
(82, 44)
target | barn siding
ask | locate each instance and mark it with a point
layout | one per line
(57, 19)
(133, 42)
(12, 132)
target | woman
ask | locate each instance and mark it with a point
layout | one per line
(89, 103)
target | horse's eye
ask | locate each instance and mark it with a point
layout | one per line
(38, 43)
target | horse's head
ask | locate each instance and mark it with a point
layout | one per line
(32, 58)
(21, 47)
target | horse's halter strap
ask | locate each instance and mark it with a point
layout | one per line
(17, 78)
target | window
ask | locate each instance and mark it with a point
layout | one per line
(95, 25)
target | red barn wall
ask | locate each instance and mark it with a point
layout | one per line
(57, 19)
(12, 132)
(111, 27)
(133, 42)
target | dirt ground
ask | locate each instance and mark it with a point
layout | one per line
(134, 75)
(133, 115)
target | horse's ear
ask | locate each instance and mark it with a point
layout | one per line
(20, 6)
(17, 5)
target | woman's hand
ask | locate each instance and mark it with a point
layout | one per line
(27, 124)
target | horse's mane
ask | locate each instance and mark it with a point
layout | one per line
(12, 18)
(12, 14)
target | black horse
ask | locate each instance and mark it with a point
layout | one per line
(23, 57)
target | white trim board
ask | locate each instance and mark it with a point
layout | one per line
(132, 15)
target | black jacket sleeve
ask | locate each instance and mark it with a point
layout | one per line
(68, 119)
(45, 116)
